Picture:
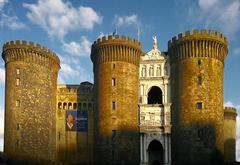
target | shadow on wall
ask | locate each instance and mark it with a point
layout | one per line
(194, 144)
(229, 150)
(76, 143)
(116, 148)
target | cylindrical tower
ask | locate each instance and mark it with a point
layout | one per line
(230, 115)
(116, 68)
(197, 62)
(30, 101)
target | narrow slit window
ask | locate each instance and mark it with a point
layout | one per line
(113, 82)
(59, 135)
(18, 81)
(113, 66)
(199, 62)
(199, 80)
(113, 105)
(18, 71)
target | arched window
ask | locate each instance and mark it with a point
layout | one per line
(74, 105)
(155, 95)
(89, 105)
(79, 105)
(84, 106)
(64, 105)
(59, 105)
(69, 105)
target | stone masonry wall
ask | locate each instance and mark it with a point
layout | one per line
(30, 103)
(230, 115)
(197, 62)
(116, 130)
(74, 147)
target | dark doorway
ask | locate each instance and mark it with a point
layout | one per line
(155, 153)
(155, 95)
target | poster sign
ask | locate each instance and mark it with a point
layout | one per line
(76, 120)
(82, 121)
(71, 117)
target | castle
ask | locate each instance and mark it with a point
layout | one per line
(143, 108)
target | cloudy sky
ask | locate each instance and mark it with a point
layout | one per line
(69, 27)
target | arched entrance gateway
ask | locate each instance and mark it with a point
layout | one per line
(155, 153)
(155, 95)
(154, 108)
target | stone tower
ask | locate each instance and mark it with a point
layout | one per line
(116, 68)
(30, 101)
(197, 62)
(230, 134)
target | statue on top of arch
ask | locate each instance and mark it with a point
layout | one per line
(154, 42)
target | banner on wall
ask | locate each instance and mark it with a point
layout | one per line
(76, 120)
(82, 121)
(71, 118)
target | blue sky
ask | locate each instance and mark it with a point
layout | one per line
(69, 27)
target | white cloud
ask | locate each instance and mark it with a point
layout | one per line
(206, 4)
(228, 104)
(71, 69)
(2, 3)
(68, 70)
(83, 48)
(2, 75)
(126, 20)
(220, 13)
(59, 17)
(6, 20)
(11, 22)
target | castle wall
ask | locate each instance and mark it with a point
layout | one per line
(74, 147)
(197, 62)
(116, 115)
(230, 134)
(30, 99)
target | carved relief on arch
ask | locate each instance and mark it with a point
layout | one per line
(154, 136)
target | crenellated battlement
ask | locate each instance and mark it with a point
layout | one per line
(209, 44)
(230, 113)
(29, 52)
(116, 40)
(230, 110)
(113, 48)
(204, 34)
